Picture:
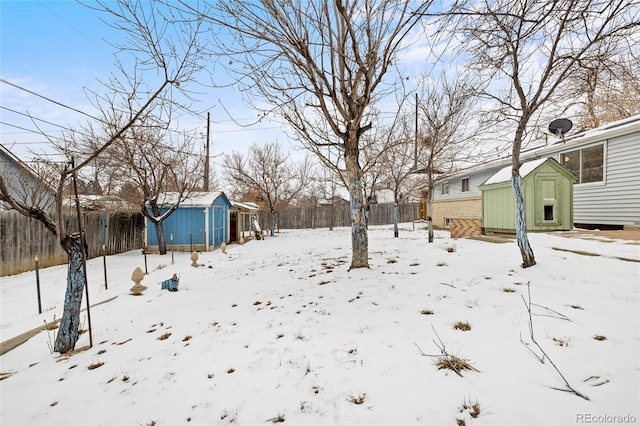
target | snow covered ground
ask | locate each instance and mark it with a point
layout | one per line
(280, 331)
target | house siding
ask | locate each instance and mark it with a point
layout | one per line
(23, 184)
(455, 186)
(616, 201)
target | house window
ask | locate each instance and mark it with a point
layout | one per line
(465, 184)
(586, 163)
(445, 188)
(447, 222)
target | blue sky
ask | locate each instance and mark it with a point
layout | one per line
(59, 48)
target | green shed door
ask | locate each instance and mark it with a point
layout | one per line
(548, 209)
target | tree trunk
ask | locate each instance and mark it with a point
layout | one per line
(359, 237)
(70, 323)
(272, 226)
(430, 196)
(429, 221)
(162, 244)
(528, 259)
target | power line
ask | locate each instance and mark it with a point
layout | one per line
(31, 143)
(74, 28)
(50, 100)
(28, 130)
(35, 118)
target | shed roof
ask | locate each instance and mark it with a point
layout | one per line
(248, 205)
(195, 199)
(504, 174)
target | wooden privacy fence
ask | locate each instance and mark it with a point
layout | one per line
(21, 238)
(337, 215)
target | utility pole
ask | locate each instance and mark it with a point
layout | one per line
(415, 146)
(205, 187)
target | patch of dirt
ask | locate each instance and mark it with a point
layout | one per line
(632, 237)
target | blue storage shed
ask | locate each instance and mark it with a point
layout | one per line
(201, 222)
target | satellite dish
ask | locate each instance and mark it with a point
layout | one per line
(560, 126)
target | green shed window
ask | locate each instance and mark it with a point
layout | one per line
(586, 163)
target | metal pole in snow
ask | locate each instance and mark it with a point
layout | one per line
(171, 237)
(38, 284)
(104, 264)
(144, 251)
(395, 220)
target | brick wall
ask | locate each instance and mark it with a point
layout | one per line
(463, 228)
(462, 208)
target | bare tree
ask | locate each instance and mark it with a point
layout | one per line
(394, 167)
(526, 51)
(321, 65)
(269, 172)
(607, 89)
(162, 172)
(446, 129)
(173, 61)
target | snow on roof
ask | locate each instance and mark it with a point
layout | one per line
(195, 199)
(245, 205)
(504, 174)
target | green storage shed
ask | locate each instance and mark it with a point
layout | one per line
(548, 193)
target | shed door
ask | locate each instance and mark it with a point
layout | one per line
(189, 225)
(233, 226)
(547, 203)
(219, 225)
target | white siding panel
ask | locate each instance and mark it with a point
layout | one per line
(455, 185)
(617, 200)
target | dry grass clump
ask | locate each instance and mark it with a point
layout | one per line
(278, 419)
(453, 363)
(561, 342)
(426, 312)
(472, 408)
(95, 365)
(599, 337)
(508, 290)
(462, 326)
(5, 375)
(359, 399)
